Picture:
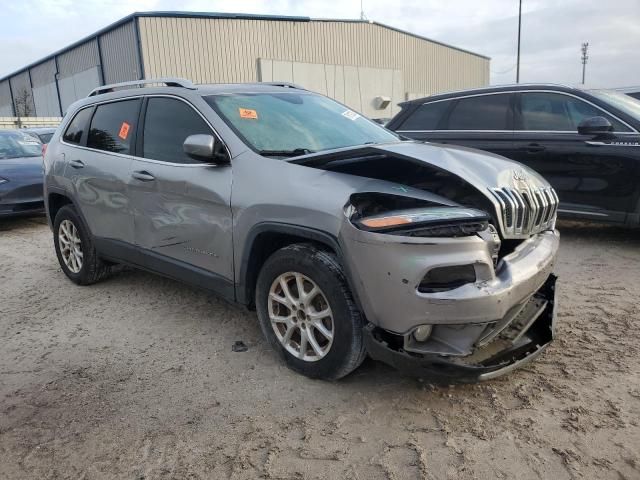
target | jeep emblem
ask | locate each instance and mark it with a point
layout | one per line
(520, 175)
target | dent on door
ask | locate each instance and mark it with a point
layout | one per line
(184, 214)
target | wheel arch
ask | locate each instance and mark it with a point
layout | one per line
(57, 198)
(266, 238)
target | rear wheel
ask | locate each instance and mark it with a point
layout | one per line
(74, 249)
(307, 312)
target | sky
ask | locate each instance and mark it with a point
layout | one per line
(552, 31)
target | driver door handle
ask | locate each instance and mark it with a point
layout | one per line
(143, 176)
(76, 163)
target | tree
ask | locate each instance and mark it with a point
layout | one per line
(23, 103)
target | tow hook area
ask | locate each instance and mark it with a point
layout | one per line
(485, 362)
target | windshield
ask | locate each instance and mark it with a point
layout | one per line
(290, 124)
(629, 105)
(17, 144)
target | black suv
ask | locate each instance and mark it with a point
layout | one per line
(585, 143)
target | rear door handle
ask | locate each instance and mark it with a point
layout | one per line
(76, 163)
(143, 176)
(535, 148)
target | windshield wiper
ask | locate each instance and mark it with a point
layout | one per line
(296, 152)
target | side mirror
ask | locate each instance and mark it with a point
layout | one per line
(594, 126)
(205, 148)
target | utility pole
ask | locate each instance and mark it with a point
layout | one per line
(585, 57)
(519, 28)
(362, 10)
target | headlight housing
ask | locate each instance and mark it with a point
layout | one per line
(427, 222)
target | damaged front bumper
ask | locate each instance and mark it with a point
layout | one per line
(504, 347)
(386, 272)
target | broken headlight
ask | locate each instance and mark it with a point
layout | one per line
(427, 222)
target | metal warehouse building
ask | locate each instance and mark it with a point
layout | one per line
(367, 65)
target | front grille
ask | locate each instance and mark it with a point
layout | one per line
(525, 212)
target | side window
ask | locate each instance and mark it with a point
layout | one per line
(168, 122)
(46, 137)
(557, 112)
(112, 126)
(486, 112)
(426, 116)
(77, 126)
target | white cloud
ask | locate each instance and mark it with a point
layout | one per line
(551, 32)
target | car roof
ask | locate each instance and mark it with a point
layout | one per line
(494, 89)
(129, 89)
(217, 88)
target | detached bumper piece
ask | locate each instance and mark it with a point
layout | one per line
(516, 344)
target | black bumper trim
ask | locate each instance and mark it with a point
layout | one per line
(440, 369)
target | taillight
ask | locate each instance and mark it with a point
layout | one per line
(44, 148)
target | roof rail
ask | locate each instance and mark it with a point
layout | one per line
(284, 84)
(168, 81)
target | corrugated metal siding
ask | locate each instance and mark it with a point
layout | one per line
(226, 50)
(44, 73)
(119, 54)
(45, 97)
(22, 95)
(81, 58)
(5, 100)
(79, 72)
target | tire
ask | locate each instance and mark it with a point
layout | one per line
(338, 356)
(90, 269)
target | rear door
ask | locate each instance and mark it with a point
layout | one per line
(478, 121)
(594, 177)
(98, 163)
(182, 205)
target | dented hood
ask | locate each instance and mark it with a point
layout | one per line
(478, 167)
(481, 169)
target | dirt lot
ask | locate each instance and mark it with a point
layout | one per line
(135, 378)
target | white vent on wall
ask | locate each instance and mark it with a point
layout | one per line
(381, 102)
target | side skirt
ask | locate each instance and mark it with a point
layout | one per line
(144, 259)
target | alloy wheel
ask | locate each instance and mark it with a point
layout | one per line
(301, 316)
(70, 246)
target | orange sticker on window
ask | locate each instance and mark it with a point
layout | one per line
(248, 113)
(124, 130)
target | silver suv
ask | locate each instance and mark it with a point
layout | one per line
(347, 239)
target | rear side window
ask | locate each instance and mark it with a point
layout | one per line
(557, 112)
(487, 112)
(73, 133)
(168, 122)
(112, 126)
(426, 116)
(46, 137)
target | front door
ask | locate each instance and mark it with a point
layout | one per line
(595, 177)
(182, 211)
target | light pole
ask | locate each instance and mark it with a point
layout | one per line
(585, 57)
(519, 28)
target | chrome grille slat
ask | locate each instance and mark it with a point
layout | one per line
(548, 213)
(526, 211)
(545, 204)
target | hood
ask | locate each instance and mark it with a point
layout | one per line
(481, 169)
(21, 168)
(520, 201)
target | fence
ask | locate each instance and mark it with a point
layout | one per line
(29, 122)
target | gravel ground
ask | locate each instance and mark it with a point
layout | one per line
(135, 378)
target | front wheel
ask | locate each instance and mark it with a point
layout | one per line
(307, 312)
